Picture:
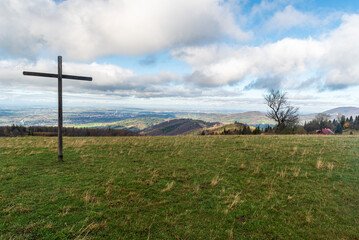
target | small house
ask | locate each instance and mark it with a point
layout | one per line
(325, 131)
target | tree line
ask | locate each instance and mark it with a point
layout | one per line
(322, 121)
(238, 129)
(20, 131)
(287, 118)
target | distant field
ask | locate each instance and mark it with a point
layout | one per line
(188, 187)
(133, 124)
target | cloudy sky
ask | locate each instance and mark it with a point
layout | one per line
(181, 54)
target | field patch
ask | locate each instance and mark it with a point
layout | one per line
(185, 187)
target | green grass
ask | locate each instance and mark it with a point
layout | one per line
(188, 187)
(347, 132)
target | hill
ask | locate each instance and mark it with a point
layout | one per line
(252, 117)
(334, 113)
(138, 119)
(347, 111)
(259, 118)
(186, 187)
(220, 128)
(306, 117)
(132, 124)
(176, 127)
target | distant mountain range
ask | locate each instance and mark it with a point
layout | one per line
(196, 122)
(252, 117)
(334, 113)
(145, 121)
(259, 118)
(347, 111)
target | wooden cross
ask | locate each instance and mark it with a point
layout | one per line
(59, 76)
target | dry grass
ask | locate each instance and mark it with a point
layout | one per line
(88, 198)
(319, 164)
(330, 166)
(296, 172)
(283, 173)
(215, 180)
(234, 202)
(196, 188)
(242, 167)
(168, 187)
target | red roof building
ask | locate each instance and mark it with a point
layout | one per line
(325, 131)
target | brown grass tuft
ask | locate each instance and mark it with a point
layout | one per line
(295, 150)
(88, 198)
(168, 187)
(308, 217)
(78, 143)
(234, 202)
(283, 173)
(196, 188)
(319, 164)
(296, 172)
(215, 180)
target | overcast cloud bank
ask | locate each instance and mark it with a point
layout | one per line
(86, 29)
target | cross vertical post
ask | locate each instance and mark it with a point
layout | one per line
(59, 129)
(59, 77)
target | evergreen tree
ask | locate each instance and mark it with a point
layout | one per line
(339, 129)
(342, 120)
(257, 130)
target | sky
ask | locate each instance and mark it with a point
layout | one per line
(200, 55)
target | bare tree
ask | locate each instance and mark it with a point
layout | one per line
(280, 110)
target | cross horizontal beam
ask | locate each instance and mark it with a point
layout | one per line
(51, 75)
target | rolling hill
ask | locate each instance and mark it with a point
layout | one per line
(218, 129)
(194, 123)
(139, 119)
(132, 124)
(252, 117)
(347, 111)
(334, 113)
(177, 127)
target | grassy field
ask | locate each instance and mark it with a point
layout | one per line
(189, 187)
(353, 131)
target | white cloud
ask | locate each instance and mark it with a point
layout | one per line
(116, 86)
(86, 29)
(331, 61)
(341, 61)
(107, 79)
(231, 65)
(289, 18)
(267, 6)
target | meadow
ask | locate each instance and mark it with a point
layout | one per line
(185, 187)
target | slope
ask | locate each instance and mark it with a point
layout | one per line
(176, 127)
